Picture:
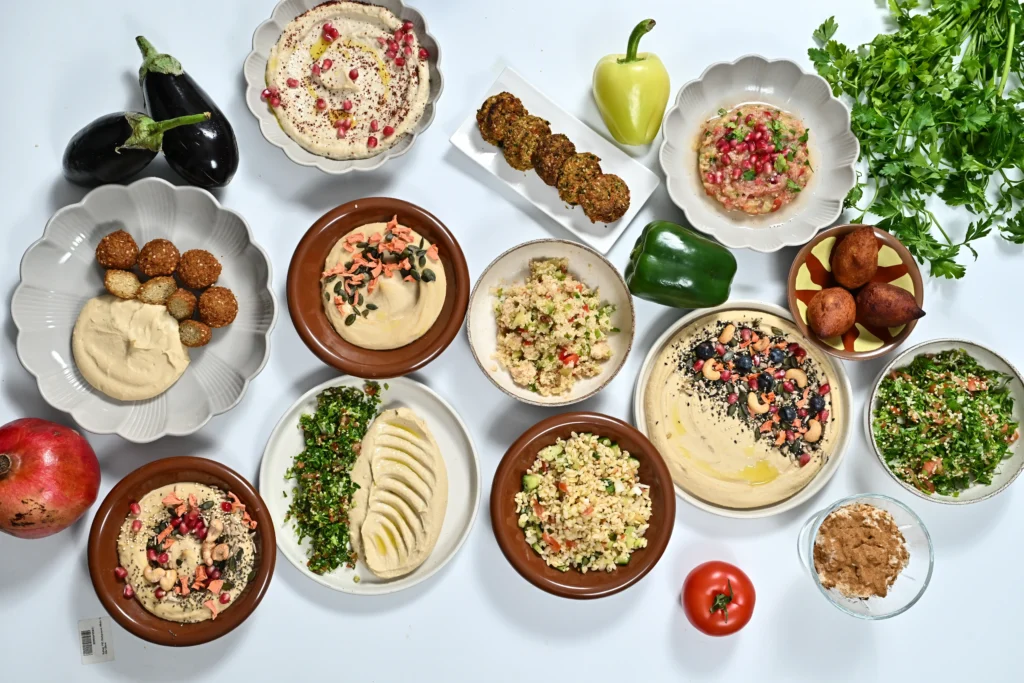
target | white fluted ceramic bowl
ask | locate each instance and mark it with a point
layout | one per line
(779, 83)
(59, 274)
(255, 69)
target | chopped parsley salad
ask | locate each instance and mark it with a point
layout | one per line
(944, 422)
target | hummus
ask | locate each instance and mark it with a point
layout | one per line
(383, 286)
(742, 412)
(399, 509)
(348, 80)
(129, 350)
(193, 576)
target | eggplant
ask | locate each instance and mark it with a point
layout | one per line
(115, 147)
(206, 154)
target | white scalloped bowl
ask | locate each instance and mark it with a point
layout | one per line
(780, 83)
(59, 274)
(267, 35)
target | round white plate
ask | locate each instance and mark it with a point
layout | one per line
(460, 458)
(1010, 468)
(587, 266)
(841, 383)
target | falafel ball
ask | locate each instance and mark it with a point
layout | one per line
(576, 172)
(194, 333)
(522, 139)
(605, 198)
(157, 290)
(159, 257)
(181, 304)
(551, 152)
(117, 250)
(218, 307)
(123, 284)
(198, 269)
(503, 111)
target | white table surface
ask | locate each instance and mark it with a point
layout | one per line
(477, 619)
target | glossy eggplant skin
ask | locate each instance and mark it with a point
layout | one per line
(205, 154)
(95, 156)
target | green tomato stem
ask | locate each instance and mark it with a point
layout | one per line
(641, 29)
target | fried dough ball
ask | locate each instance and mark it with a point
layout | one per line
(575, 174)
(831, 312)
(552, 151)
(881, 304)
(123, 284)
(158, 290)
(181, 304)
(198, 269)
(194, 333)
(605, 198)
(218, 307)
(522, 139)
(855, 259)
(117, 250)
(497, 114)
(158, 257)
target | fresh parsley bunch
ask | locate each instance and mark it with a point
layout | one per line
(935, 116)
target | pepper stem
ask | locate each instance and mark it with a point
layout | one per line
(156, 62)
(5, 464)
(642, 29)
(149, 134)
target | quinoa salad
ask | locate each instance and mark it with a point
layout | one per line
(552, 329)
(754, 158)
(582, 505)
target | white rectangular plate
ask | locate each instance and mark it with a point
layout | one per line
(641, 181)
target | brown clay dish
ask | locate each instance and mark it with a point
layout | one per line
(103, 550)
(306, 306)
(895, 266)
(508, 482)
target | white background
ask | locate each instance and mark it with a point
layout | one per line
(477, 619)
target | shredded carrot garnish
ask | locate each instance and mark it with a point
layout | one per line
(163, 534)
(171, 499)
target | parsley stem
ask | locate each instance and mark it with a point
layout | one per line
(1009, 57)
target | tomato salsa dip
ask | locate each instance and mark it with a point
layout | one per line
(754, 158)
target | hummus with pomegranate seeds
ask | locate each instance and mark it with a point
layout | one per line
(348, 80)
(743, 413)
(754, 158)
(192, 576)
(383, 286)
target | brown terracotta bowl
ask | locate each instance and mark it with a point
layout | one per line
(812, 271)
(307, 310)
(512, 540)
(103, 550)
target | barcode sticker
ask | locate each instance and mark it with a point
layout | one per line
(96, 640)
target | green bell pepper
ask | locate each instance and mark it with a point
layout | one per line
(631, 91)
(674, 266)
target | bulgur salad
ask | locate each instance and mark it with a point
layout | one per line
(552, 329)
(582, 505)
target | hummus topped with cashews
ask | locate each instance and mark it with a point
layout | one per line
(743, 413)
(348, 80)
(186, 551)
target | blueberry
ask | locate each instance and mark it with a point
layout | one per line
(787, 413)
(776, 356)
(705, 350)
(765, 382)
(744, 363)
(817, 403)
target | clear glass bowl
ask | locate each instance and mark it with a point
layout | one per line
(909, 585)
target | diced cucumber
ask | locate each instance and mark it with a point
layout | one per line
(605, 441)
(536, 547)
(531, 481)
(622, 560)
(552, 451)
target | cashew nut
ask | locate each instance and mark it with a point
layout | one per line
(799, 375)
(214, 531)
(761, 344)
(710, 371)
(169, 579)
(755, 404)
(813, 431)
(221, 552)
(153, 574)
(727, 334)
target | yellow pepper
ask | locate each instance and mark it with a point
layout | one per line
(631, 91)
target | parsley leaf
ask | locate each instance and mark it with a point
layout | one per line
(825, 32)
(749, 175)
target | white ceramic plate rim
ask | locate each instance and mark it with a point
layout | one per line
(524, 395)
(801, 496)
(905, 358)
(260, 55)
(267, 488)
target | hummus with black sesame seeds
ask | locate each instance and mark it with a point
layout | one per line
(352, 89)
(742, 410)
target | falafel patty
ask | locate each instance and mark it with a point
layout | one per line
(218, 307)
(198, 269)
(575, 174)
(522, 139)
(552, 151)
(505, 109)
(605, 198)
(158, 257)
(118, 251)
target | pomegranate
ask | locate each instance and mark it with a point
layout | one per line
(49, 476)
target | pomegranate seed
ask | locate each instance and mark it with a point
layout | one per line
(726, 375)
(749, 119)
(790, 436)
(275, 102)
(769, 147)
(374, 125)
(407, 26)
(382, 40)
(720, 349)
(213, 573)
(399, 33)
(732, 398)
(183, 529)
(741, 147)
(339, 123)
(192, 516)
(293, 83)
(745, 334)
(802, 412)
(804, 459)
(391, 54)
(120, 573)
(327, 38)
(757, 135)
(176, 521)
(773, 409)
(315, 69)
(321, 103)
(746, 165)
(371, 142)
(201, 534)
(159, 593)
(698, 365)
(129, 592)
(736, 173)
(800, 355)
(151, 554)
(342, 133)
(346, 124)
(788, 386)
(760, 128)
(265, 94)
(407, 51)
(225, 506)
(334, 33)
(793, 346)
(224, 598)
(756, 360)
(163, 558)
(392, 46)
(824, 390)
(823, 416)
(326, 64)
(752, 382)
(388, 131)
(710, 177)
(347, 105)
(353, 74)
(779, 374)
(399, 61)
(408, 38)
(137, 526)
(423, 54)
(327, 27)
(135, 508)
(774, 179)
(726, 160)
(749, 137)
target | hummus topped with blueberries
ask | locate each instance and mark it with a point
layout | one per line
(744, 414)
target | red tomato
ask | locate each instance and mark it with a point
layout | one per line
(718, 598)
